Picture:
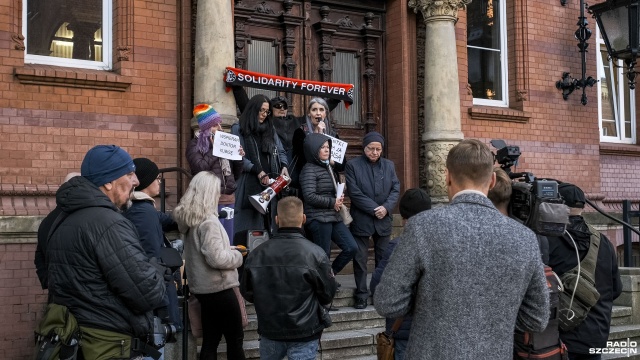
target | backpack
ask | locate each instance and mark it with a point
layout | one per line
(545, 344)
(580, 292)
(57, 334)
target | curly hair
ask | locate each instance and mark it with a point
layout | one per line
(200, 201)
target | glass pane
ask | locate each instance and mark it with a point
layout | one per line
(627, 108)
(346, 70)
(485, 74)
(262, 59)
(616, 27)
(483, 24)
(607, 94)
(62, 29)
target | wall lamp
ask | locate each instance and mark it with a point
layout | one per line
(618, 21)
(568, 84)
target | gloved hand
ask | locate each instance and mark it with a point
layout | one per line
(163, 270)
(243, 249)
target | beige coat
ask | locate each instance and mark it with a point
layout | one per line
(210, 263)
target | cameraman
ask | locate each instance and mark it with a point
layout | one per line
(500, 196)
(594, 330)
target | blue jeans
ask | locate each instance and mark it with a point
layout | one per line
(399, 347)
(276, 350)
(323, 233)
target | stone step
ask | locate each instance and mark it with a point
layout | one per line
(346, 318)
(625, 333)
(621, 315)
(349, 344)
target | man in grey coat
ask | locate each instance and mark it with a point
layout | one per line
(466, 273)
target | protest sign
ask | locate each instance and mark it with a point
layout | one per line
(226, 146)
(338, 149)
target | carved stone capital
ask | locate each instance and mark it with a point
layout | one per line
(436, 156)
(438, 9)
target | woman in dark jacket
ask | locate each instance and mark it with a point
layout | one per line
(321, 205)
(200, 158)
(264, 159)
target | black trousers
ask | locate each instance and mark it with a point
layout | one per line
(221, 316)
(360, 260)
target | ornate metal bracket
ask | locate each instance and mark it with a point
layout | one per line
(568, 84)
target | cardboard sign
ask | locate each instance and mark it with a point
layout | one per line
(226, 146)
(338, 149)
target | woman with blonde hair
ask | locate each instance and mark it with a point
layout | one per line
(211, 266)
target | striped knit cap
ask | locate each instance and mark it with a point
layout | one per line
(207, 117)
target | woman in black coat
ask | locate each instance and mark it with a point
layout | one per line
(321, 206)
(264, 159)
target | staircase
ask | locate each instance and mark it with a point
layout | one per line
(352, 335)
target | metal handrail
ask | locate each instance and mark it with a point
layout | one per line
(163, 194)
(626, 214)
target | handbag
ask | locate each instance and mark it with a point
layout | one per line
(344, 210)
(195, 319)
(345, 214)
(243, 309)
(385, 342)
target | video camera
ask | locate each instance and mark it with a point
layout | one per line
(534, 202)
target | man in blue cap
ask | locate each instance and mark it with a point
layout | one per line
(97, 268)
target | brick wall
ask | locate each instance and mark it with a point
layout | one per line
(50, 116)
(21, 300)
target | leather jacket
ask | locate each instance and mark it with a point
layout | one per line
(288, 278)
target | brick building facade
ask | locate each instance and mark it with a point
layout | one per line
(51, 115)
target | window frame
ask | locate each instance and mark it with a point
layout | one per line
(504, 65)
(618, 69)
(107, 44)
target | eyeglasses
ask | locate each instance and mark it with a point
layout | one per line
(280, 106)
(266, 112)
(371, 149)
(159, 177)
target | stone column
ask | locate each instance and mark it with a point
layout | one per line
(442, 90)
(213, 52)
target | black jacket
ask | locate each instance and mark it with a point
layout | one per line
(594, 330)
(317, 185)
(40, 259)
(288, 278)
(97, 267)
(151, 225)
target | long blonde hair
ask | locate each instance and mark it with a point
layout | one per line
(200, 201)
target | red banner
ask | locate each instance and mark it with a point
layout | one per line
(239, 77)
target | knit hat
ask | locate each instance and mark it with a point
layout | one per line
(146, 171)
(105, 163)
(413, 202)
(372, 137)
(573, 196)
(207, 117)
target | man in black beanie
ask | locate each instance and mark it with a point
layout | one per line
(414, 201)
(374, 189)
(151, 225)
(594, 330)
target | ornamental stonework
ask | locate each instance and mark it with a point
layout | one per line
(434, 9)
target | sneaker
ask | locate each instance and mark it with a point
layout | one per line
(360, 304)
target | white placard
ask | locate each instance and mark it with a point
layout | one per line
(338, 149)
(226, 146)
(339, 190)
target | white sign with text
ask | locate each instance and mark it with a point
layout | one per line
(338, 149)
(226, 146)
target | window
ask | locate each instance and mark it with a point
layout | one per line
(616, 102)
(262, 59)
(346, 70)
(486, 52)
(63, 34)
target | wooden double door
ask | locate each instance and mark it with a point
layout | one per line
(333, 41)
